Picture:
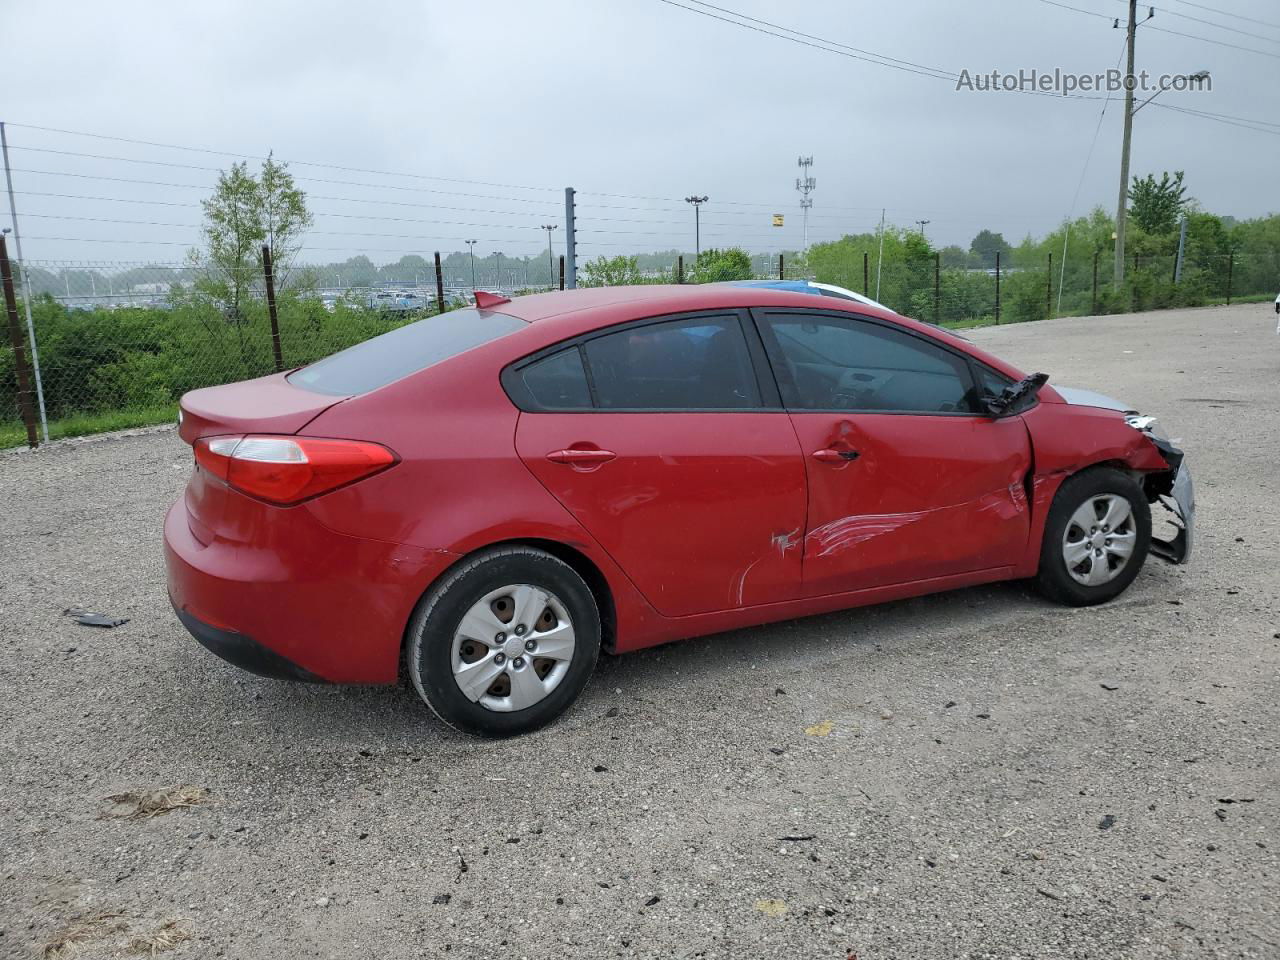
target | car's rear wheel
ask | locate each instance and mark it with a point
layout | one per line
(504, 642)
(1096, 538)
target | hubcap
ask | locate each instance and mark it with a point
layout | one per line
(512, 647)
(1099, 539)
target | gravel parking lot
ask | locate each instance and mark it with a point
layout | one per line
(978, 774)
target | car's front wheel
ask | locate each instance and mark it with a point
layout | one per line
(504, 642)
(1096, 538)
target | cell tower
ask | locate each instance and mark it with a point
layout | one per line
(805, 185)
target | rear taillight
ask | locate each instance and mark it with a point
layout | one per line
(288, 470)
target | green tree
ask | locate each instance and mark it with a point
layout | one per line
(245, 213)
(715, 266)
(1157, 204)
(611, 272)
(986, 245)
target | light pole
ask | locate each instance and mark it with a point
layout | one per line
(922, 224)
(697, 225)
(551, 260)
(497, 281)
(471, 245)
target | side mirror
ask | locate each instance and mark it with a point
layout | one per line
(1015, 397)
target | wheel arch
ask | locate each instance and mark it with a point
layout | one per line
(578, 561)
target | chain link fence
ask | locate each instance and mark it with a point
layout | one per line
(118, 342)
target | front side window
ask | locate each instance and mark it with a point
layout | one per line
(700, 363)
(839, 363)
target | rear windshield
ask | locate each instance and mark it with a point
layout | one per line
(408, 349)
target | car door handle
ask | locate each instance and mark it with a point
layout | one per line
(829, 455)
(575, 457)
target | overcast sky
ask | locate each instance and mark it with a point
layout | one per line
(509, 102)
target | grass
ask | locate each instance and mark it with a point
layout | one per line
(67, 942)
(81, 424)
(143, 804)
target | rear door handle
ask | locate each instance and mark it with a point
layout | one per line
(829, 455)
(575, 457)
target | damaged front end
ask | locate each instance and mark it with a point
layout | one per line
(1173, 490)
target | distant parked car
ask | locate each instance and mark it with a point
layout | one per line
(812, 287)
(488, 497)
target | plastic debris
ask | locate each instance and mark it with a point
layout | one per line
(89, 619)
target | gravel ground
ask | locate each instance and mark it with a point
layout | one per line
(978, 774)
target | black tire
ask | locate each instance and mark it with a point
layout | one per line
(429, 644)
(1054, 579)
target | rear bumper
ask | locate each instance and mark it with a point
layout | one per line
(300, 601)
(244, 652)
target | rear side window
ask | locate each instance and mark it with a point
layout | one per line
(416, 346)
(558, 382)
(697, 364)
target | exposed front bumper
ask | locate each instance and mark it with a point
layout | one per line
(1180, 501)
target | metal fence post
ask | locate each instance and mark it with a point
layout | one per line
(782, 273)
(680, 269)
(562, 271)
(1048, 289)
(26, 283)
(997, 286)
(866, 273)
(439, 285)
(570, 238)
(19, 355)
(1095, 283)
(937, 288)
(271, 308)
(1231, 263)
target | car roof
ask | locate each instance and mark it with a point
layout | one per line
(560, 315)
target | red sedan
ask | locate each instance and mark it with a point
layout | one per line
(488, 497)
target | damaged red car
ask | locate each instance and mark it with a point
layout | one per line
(484, 500)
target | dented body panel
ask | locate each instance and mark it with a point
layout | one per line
(926, 496)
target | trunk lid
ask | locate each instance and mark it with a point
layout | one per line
(265, 405)
(270, 405)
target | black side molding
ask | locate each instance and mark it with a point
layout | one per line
(245, 652)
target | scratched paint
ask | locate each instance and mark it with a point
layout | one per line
(742, 580)
(850, 531)
(782, 542)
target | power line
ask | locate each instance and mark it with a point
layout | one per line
(945, 74)
(1226, 13)
(1220, 43)
(1212, 23)
(1147, 25)
(306, 163)
(544, 204)
(1218, 118)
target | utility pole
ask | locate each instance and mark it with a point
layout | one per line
(497, 261)
(805, 184)
(1122, 207)
(471, 245)
(697, 226)
(551, 260)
